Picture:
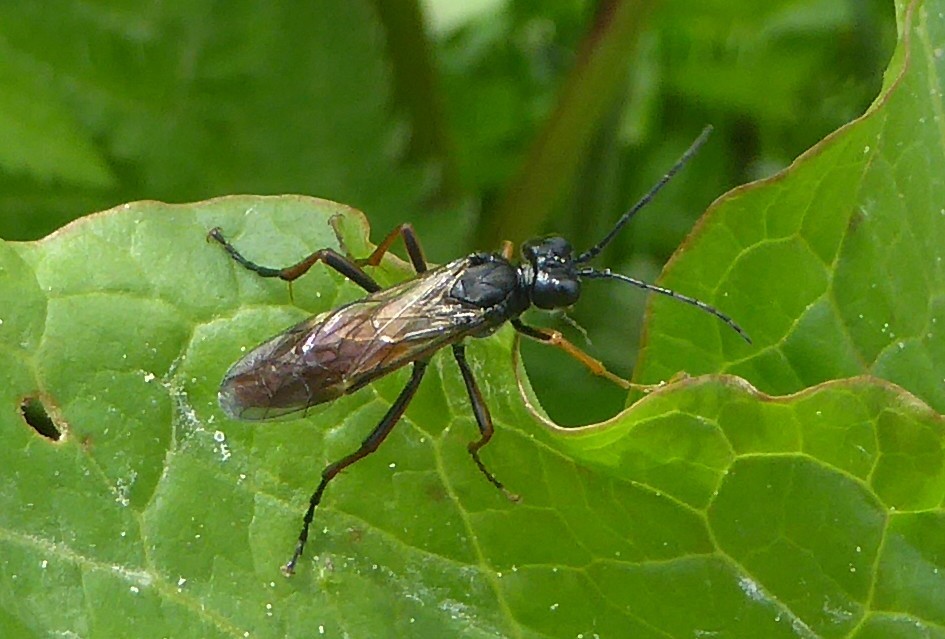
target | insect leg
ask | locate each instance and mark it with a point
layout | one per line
(368, 446)
(555, 338)
(347, 267)
(411, 241)
(483, 418)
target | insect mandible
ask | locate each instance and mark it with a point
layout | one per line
(340, 351)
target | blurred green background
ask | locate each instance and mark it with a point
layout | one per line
(476, 120)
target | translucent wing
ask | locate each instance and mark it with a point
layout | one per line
(341, 350)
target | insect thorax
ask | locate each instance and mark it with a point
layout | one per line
(491, 283)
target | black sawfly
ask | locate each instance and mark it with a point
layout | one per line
(340, 351)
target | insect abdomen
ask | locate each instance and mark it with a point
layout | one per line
(275, 379)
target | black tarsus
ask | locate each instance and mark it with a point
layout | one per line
(352, 270)
(330, 257)
(368, 446)
(483, 419)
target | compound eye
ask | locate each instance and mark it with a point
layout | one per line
(548, 250)
(550, 292)
(558, 246)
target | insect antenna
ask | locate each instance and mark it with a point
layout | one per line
(608, 274)
(595, 250)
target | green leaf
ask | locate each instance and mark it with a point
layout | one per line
(834, 267)
(707, 509)
(188, 101)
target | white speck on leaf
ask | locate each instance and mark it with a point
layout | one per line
(750, 588)
(123, 488)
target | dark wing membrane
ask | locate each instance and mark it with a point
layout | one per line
(340, 351)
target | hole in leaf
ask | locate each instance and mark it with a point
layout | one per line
(36, 415)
